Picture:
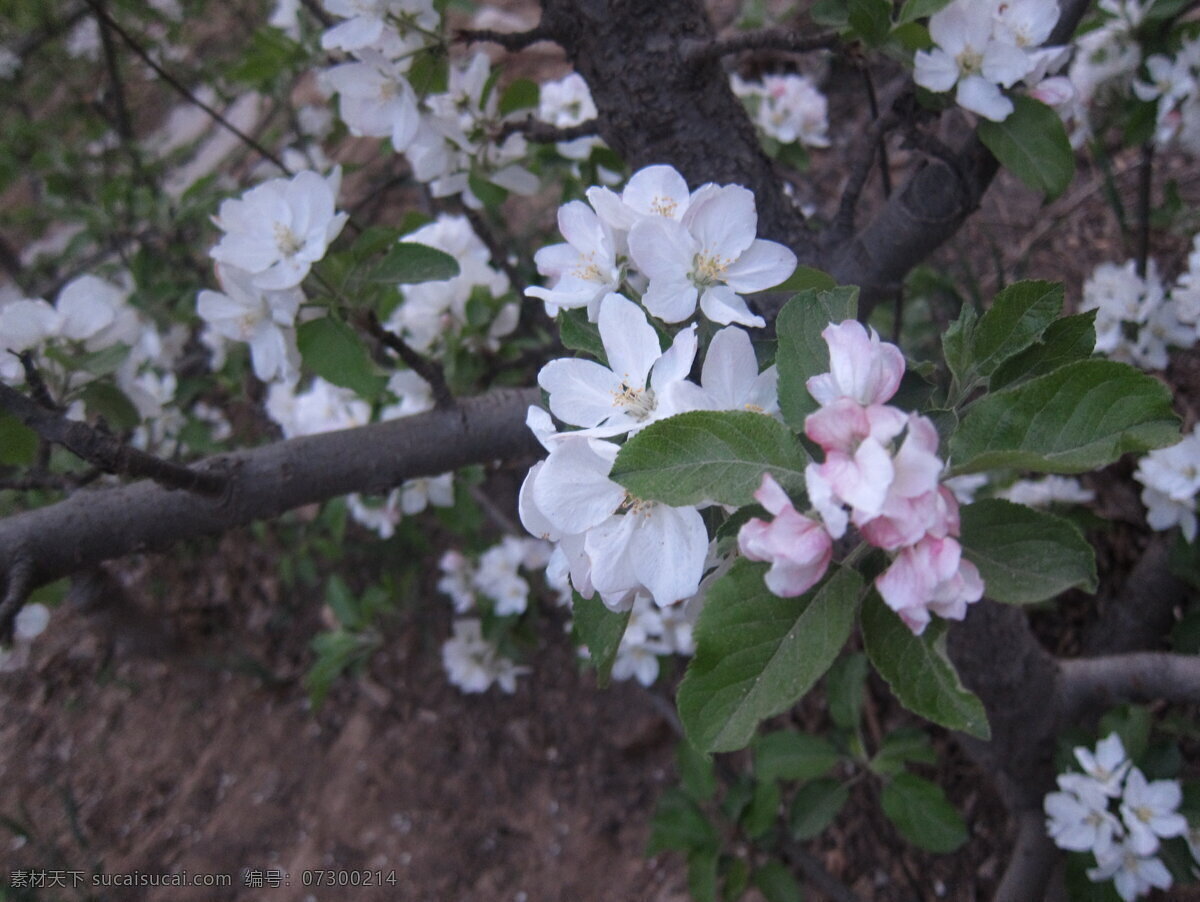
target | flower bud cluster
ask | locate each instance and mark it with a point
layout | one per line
(1114, 812)
(881, 473)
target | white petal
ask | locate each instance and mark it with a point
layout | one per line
(581, 392)
(630, 342)
(723, 305)
(763, 265)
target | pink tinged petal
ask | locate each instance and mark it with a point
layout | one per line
(630, 342)
(671, 301)
(761, 266)
(723, 305)
(838, 426)
(917, 466)
(977, 94)
(669, 552)
(772, 496)
(675, 364)
(860, 366)
(935, 70)
(581, 392)
(821, 496)
(862, 480)
(905, 586)
(798, 548)
(573, 490)
(723, 220)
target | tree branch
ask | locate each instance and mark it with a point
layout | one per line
(95, 526)
(509, 40)
(544, 132)
(1033, 858)
(1141, 677)
(427, 369)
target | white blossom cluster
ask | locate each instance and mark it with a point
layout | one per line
(473, 664)
(31, 621)
(1175, 85)
(1139, 318)
(565, 103)
(983, 46)
(651, 633)
(90, 316)
(1171, 480)
(1114, 812)
(432, 310)
(788, 108)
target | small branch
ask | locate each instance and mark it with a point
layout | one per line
(509, 40)
(37, 386)
(1140, 677)
(17, 585)
(496, 250)
(1145, 185)
(544, 132)
(1032, 860)
(182, 89)
(860, 171)
(419, 364)
(695, 52)
(885, 171)
(105, 451)
(60, 482)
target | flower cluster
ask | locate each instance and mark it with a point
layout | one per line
(1175, 85)
(788, 108)
(564, 104)
(881, 473)
(1171, 480)
(673, 247)
(1137, 317)
(473, 663)
(496, 576)
(433, 310)
(31, 621)
(982, 46)
(1080, 817)
(651, 633)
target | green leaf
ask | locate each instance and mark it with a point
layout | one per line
(757, 654)
(408, 263)
(762, 812)
(702, 874)
(1018, 316)
(1025, 555)
(18, 443)
(844, 689)
(1034, 145)
(788, 755)
(333, 351)
(1066, 340)
(957, 344)
(923, 814)
(919, 671)
(736, 874)
(1079, 417)
(103, 399)
(802, 351)
(696, 773)
(580, 335)
(919, 9)
(830, 13)
(776, 882)
(343, 603)
(872, 19)
(814, 806)
(600, 629)
(804, 278)
(709, 455)
(907, 744)
(679, 825)
(521, 94)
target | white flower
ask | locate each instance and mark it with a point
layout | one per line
(584, 269)
(711, 255)
(566, 103)
(730, 379)
(970, 55)
(1046, 491)
(1132, 874)
(650, 192)
(1171, 477)
(1078, 819)
(626, 395)
(788, 108)
(371, 23)
(1107, 766)
(277, 230)
(322, 408)
(262, 319)
(376, 99)
(1150, 811)
(473, 663)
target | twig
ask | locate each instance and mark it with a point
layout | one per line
(1032, 859)
(18, 583)
(183, 90)
(105, 451)
(544, 132)
(695, 52)
(885, 171)
(509, 40)
(62, 482)
(860, 170)
(1145, 184)
(33, 378)
(1139, 677)
(419, 364)
(492, 509)
(495, 249)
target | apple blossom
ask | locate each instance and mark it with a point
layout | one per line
(729, 379)
(375, 99)
(861, 366)
(930, 576)
(584, 269)
(1149, 811)
(799, 549)
(262, 319)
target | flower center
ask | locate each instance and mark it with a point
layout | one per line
(639, 403)
(286, 240)
(663, 206)
(708, 270)
(970, 61)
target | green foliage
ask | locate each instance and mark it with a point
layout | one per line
(919, 9)
(521, 94)
(1079, 417)
(600, 629)
(844, 686)
(757, 654)
(18, 443)
(922, 814)
(1033, 144)
(787, 755)
(580, 335)
(709, 455)
(919, 671)
(1065, 340)
(679, 825)
(408, 262)
(777, 883)
(870, 19)
(814, 807)
(802, 352)
(334, 352)
(1025, 555)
